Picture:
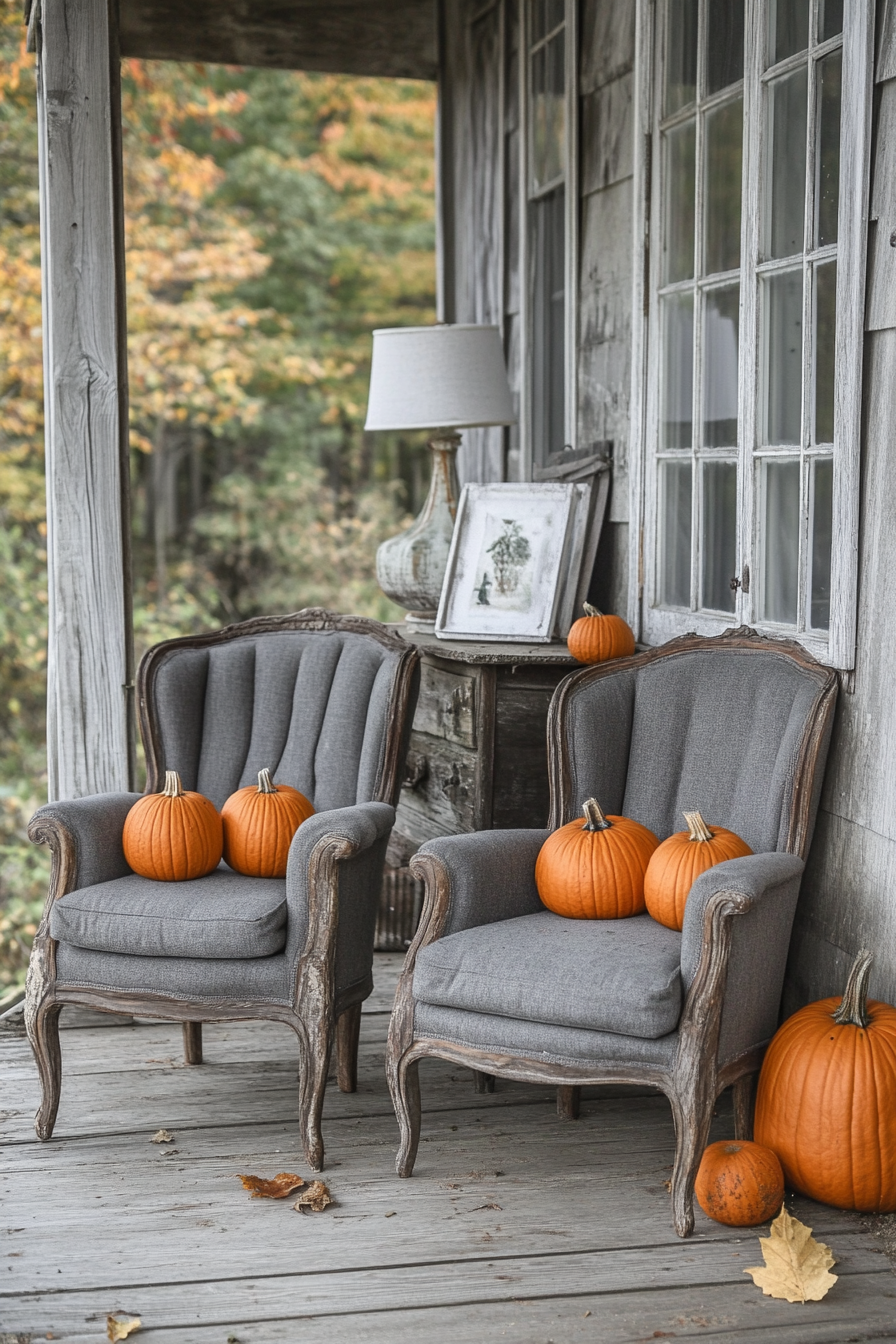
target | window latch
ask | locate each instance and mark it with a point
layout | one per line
(744, 583)
(734, 584)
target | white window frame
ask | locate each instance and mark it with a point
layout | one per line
(571, 240)
(653, 623)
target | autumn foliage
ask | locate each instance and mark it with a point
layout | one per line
(272, 219)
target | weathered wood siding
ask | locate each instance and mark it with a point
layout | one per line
(89, 733)
(849, 892)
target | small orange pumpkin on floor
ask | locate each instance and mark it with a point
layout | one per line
(595, 638)
(174, 835)
(739, 1184)
(827, 1098)
(594, 869)
(677, 863)
(259, 824)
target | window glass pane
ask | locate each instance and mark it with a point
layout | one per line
(788, 27)
(830, 19)
(821, 532)
(719, 534)
(681, 54)
(678, 234)
(825, 330)
(783, 361)
(724, 43)
(787, 136)
(546, 14)
(548, 325)
(676, 417)
(548, 112)
(781, 540)
(828, 158)
(675, 545)
(724, 141)
(720, 322)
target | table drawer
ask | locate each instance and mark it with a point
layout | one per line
(446, 707)
(438, 796)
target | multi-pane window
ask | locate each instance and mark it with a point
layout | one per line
(750, 468)
(546, 244)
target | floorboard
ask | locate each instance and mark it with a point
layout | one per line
(516, 1225)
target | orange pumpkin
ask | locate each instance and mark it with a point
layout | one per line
(173, 835)
(594, 869)
(259, 824)
(678, 862)
(594, 637)
(739, 1184)
(827, 1098)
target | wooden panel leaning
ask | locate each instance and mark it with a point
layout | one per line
(610, 728)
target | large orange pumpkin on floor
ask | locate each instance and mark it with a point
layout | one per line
(593, 868)
(826, 1101)
(740, 1183)
(677, 863)
(173, 835)
(259, 824)
(595, 638)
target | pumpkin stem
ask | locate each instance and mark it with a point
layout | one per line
(173, 787)
(594, 817)
(265, 783)
(697, 826)
(854, 1004)
(591, 611)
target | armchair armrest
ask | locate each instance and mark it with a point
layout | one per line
(84, 835)
(736, 936)
(335, 855)
(477, 879)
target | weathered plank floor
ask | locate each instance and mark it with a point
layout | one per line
(516, 1226)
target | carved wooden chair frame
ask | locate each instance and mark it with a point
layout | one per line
(316, 1015)
(694, 1080)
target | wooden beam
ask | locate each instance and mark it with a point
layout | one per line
(90, 662)
(395, 38)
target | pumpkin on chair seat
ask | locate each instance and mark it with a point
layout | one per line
(259, 824)
(594, 868)
(173, 835)
(677, 863)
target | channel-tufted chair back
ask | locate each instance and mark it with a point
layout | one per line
(723, 727)
(313, 705)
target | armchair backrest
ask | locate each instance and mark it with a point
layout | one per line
(736, 726)
(323, 701)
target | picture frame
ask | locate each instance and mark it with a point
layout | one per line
(515, 560)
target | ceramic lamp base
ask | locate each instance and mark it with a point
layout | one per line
(410, 567)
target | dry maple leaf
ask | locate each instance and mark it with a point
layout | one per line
(796, 1265)
(162, 1136)
(119, 1327)
(313, 1200)
(282, 1185)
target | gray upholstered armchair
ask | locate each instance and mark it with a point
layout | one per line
(325, 702)
(737, 727)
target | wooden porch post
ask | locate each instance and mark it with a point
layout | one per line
(90, 659)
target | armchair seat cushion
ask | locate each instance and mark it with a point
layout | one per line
(221, 916)
(610, 975)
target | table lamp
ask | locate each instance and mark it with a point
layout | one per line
(443, 378)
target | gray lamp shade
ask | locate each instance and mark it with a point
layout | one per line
(445, 377)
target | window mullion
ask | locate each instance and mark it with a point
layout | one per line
(748, 381)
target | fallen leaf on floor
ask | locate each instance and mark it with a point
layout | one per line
(487, 1206)
(391, 1213)
(313, 1200)
(171, 1152)
(796, 1265)
(162, 1136)
(282, 1185)
(119, 1327)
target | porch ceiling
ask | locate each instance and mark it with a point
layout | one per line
(393, 38)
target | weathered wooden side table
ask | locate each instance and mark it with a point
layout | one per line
(477, 758)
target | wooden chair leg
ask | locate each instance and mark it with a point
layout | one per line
(348, 1033)
(314, 1065)
(192, 1042)
(404, 1084)
(569, 1099)
(483, 1082)
(693, 1117)
(43, 1033)
(743, 1096)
